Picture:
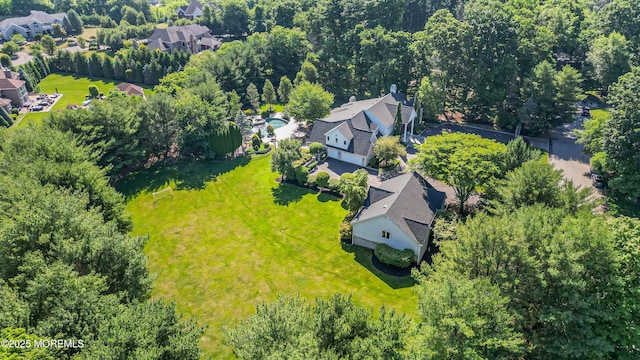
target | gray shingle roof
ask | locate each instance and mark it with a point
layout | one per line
(192, 7)
(37, 16)
(174, 34)
(345, 130)
(360, 139)
(408, 200)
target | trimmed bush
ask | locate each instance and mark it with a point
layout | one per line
(270, 130)
(315, 148)
(302, 173)
(311, 180)
(391, 256)
(265, 114)
(346, 231)
(94, 91)
(256, 141)
(334, 185)
(322, 179)
(374, 162)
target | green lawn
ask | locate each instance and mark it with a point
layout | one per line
(233, 236)
(73, 88)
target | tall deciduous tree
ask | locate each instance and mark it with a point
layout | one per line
(465, 161)
(234, 17)
(354, 188)
(432, 98)
(331, 328)
(622, 135)
(75, 21)
(609, 56)
(287, 152)
(465, 318)
(11, 48)
(388, 148)
(308, 102)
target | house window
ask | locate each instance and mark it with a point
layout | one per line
(345, 142)
(336, 140)
(328, 138)
(386, 234)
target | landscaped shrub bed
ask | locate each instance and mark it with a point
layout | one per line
(346, 231)
(391, 256)
(262, 149)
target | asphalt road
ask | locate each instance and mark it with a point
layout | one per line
(567, 155)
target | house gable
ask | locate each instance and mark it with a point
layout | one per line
(372, 230)
(339, 137)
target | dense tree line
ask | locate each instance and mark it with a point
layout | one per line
(193, 119)
(69, 268)
(613, 140)
(135, 64)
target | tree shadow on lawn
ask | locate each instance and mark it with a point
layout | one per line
(287, 193)
(365, 258)
(186, 174)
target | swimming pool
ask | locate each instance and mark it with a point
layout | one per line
(276, 123)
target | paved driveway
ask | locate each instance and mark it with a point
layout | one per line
(335, 168)
(566, 154)
(23, 58)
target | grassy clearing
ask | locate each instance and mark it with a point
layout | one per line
(275, 108)
(74, 90)
(232, 236)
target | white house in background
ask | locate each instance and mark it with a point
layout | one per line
(37, 22)
(191, 11)
(398, 213)
(350, 131)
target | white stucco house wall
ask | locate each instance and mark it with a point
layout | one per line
(350, 130)
(399, 213)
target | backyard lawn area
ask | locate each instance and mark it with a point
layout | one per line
(73, 89)
(232, 236)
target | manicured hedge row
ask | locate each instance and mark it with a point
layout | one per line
(391, 256)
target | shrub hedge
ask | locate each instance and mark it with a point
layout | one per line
(334, 185)
(346, 231)
(391, 256)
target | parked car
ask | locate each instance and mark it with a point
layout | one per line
(597, 180)
(36, 108)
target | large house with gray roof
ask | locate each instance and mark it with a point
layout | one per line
(37, 22)
(399, 213)
(350, 131)
(192, 38)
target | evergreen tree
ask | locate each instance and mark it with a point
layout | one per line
(107, 67)
(284, 89)
(268, 93)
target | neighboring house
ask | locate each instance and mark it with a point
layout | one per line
(131, 89)
(398, 213)
(37, 23)
(192, 38)
(191, 11)
(350, 131)
(6, 104)
(12, 88)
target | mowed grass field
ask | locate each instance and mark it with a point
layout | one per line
(73, 90)
(233, 236)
